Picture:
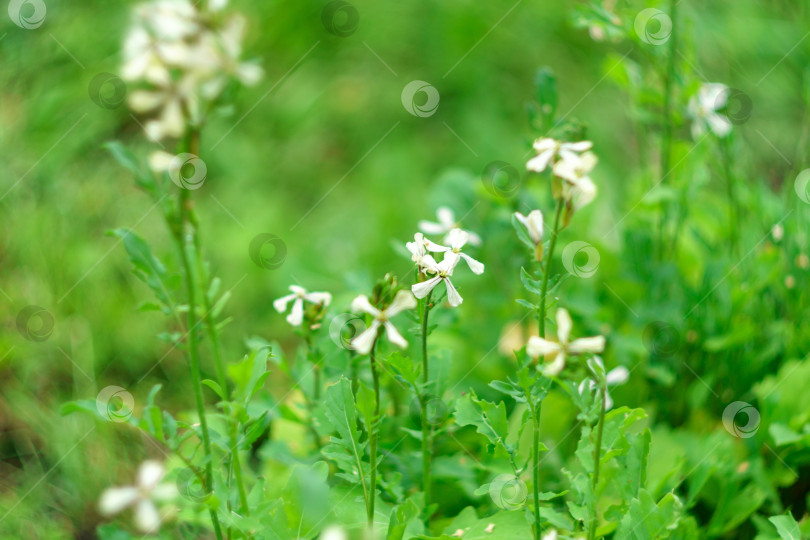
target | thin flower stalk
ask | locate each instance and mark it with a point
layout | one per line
(427, 429)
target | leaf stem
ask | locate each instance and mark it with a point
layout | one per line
(536, 471)
(547, 270)
(372, 436)
(597, 457)
(427, 429)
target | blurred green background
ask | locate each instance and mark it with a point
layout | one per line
(323, 154)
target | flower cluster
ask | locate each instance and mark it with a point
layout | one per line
(298, 297)
(563, 347)
(433, 272)
(571, 164)
(182, 57)
(704, 110)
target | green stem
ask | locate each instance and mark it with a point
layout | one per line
(237, 467)
(427, 429)
(536, 472)
(182, 234)
(666, 138)
(372, 436)
(547, 271)
(597, 457)
(733, 211)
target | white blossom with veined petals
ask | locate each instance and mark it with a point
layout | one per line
(577, 186)
(142, 496)
(456, 239)
(298, 297)
(446, 223)
(615, 377)
(363, 343)
(534, 225)
(549, 150)
(703, 108)
(538, 346)
(442, 272)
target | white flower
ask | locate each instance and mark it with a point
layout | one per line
(547, 149)
(446, 223)
(534, 225)
(550, 535)
(614, 377)
(418, 248)
(142, 496)
(456, 238)
(182, 56)
(365, 341)
(298, 297)
(703, 108)
(578, 188)
(538, 346)
(443, 271)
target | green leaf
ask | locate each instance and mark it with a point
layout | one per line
(488, 418)
(786, 526)
(403, 515)
(149, 269)
(345, 449)
(534, 286)
(647, 520)
(213, 385)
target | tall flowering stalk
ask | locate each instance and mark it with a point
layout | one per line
(429, 274)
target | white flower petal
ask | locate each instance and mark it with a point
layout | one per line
(141, 101)
(149, 474)
(361, 303)
(564, 325)
(608, 401)
(147, 518)
(618, 375)
(538, 346)
(457, 238)
(165, 492)
(580, 146)
(556, 366)
(449, 262)
(402, 301)
(318, 298)
(296, 316)
(160, 161)
(594, 344)
(423, 288)
(545, 144)
(115, 499)
(362, 344)
(434, 247)
(453, 298)
(446, 217)
(394, 336)
(430, 227)
(280, 304)
(475, 266)
(540, 162)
